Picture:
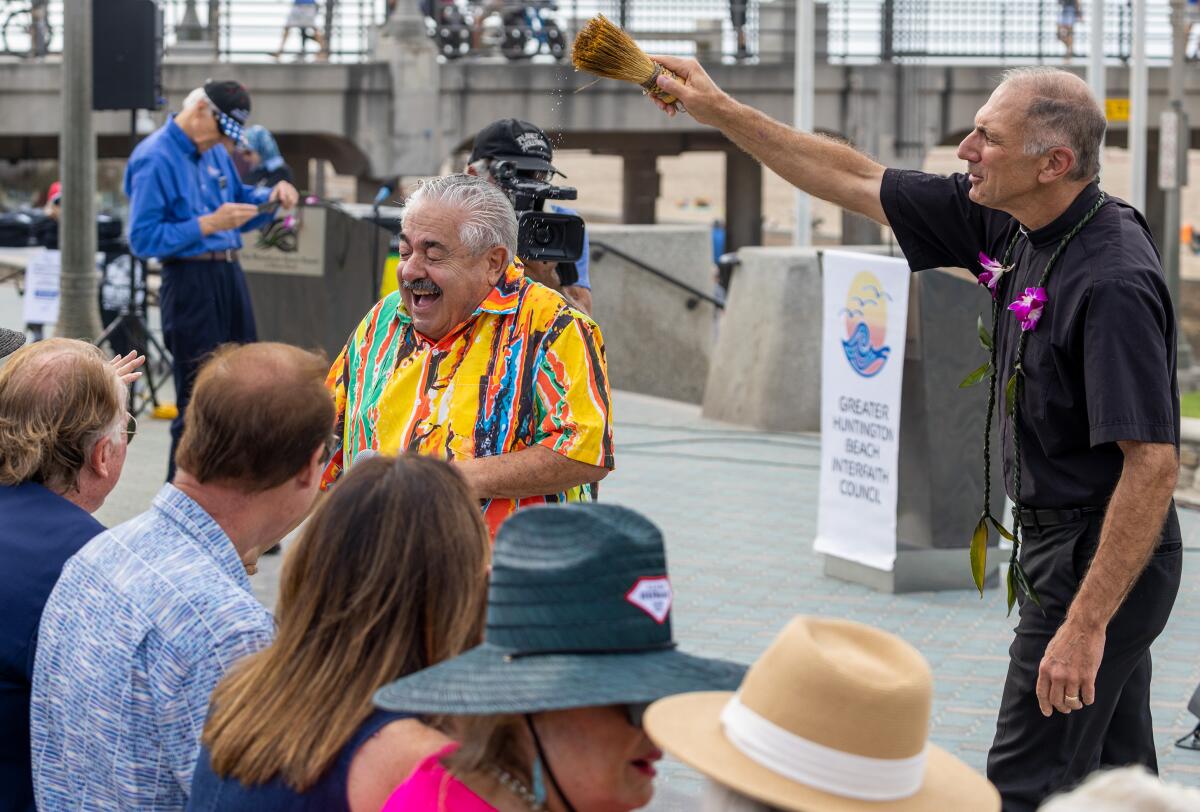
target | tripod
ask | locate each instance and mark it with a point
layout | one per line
(132, 321)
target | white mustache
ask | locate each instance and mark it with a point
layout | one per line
(422, 287)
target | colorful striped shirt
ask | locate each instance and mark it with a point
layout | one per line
(526, 369)
(142, 624)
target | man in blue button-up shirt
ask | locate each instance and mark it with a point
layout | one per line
(146, 618)
(187, 206)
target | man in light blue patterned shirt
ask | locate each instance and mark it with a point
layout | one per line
(147, 617)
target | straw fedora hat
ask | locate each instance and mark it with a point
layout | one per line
(834, 717)
(579, 615)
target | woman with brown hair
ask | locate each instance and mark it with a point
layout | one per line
(388, 578)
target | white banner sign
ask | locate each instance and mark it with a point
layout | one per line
(862, 366)
(41, 287)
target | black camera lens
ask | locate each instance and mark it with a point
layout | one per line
(544, 233)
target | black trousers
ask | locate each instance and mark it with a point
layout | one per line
(1032, 756)
(204, 305)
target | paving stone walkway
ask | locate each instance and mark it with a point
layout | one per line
(738, 509)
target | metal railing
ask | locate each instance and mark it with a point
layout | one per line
(983, 30)
(848, 31)
(246, 30)
(695, 295)
(251, 30)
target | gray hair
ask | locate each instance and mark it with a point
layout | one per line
(1124, 789)
(1062, 113)
(482, 167)
(195, 97)
(489, 217)
(720, 798)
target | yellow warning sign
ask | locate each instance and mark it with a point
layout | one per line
(1116, 109)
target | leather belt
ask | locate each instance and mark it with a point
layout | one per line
(228, 255)
(1046, 517)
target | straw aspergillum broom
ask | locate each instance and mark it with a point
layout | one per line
(603, 49)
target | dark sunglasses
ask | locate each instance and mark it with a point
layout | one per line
(130, 428)
(634, 712)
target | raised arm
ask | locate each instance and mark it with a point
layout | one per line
(821, 166)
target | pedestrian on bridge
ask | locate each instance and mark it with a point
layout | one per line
(1091, 439)
(187, 206)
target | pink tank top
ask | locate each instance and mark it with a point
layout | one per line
(431, 788)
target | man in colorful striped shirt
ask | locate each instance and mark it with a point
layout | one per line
(473, 363)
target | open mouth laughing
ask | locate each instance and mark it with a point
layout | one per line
(425, 294)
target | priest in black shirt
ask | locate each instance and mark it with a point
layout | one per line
(1091, 445)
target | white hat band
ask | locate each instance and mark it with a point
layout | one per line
(815, 765)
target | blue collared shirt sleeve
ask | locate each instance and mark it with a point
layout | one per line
(152, 232)
(581, 264)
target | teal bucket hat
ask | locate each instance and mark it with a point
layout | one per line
(579, 615)
(10, 341)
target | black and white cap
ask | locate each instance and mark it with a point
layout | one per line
(511, 139)
(231, 105)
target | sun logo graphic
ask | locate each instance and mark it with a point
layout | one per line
(866, 315)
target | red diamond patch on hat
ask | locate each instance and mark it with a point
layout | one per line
(652, 594)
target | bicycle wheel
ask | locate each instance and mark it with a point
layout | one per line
(15, 32)
(556, 42)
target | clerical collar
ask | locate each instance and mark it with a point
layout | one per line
(1054, 231)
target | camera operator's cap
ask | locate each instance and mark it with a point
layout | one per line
(54, 194)
(511, 139)
(231, 105)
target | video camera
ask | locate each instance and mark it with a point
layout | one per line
(541, 236)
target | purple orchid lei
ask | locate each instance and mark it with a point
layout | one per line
(992, 271)
(1028, 308)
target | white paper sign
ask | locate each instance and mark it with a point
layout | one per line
(865, 320)
(41, 287)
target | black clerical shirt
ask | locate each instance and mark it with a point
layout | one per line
(1100, 366)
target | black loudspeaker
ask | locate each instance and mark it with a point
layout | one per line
(127, 45)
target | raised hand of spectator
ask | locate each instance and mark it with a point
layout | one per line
(127, 366)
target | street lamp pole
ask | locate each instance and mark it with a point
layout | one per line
(1138, 114)
(78, 315)
(802, 106)
(1174, 140)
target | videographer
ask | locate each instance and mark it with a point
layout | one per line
(187, 206)
(515, 155)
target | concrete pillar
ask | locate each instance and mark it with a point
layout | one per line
(743, 200)
(639, 189)
(859, 230)
(301, 175)
(416, 141)
(320, 168)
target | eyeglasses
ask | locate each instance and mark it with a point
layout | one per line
(130, 428)
(634, 712)
(331, 445)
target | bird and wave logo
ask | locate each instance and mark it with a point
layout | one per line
(866, 314)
